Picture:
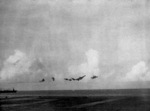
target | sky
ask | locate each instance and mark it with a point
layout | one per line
(72, 38)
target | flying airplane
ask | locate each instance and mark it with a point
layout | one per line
(73, 79)
(69, 79)
(42, 80)
(66, 79)
(80, 78)
(53, 78)
(94, 77)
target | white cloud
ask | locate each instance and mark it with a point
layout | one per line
(16, 64)
(89, 68)
(139, 72)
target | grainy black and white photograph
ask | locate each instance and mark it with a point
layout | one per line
(75, 55)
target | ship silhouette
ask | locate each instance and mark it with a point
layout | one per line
(8, 91)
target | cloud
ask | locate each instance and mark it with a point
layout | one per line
(139, 72)
(88, 68)
(16, 65)
(21, 67)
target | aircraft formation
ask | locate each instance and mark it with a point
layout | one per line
(72, 79)
(66, 79)
(79, 78)
(75, 79)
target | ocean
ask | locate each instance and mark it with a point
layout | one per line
(77, 100)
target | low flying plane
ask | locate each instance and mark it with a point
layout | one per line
(80, 78)
(94, 77)
(42, 80)
(53, 78)
(69, 79)
(73, 79)
(66, 79)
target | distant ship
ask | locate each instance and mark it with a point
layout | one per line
(8, 91)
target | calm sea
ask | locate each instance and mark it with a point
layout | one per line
(77, 100)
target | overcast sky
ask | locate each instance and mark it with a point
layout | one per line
(71, 38)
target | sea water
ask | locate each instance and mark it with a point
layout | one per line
(76, 100)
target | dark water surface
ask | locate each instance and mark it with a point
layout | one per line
(78, 100)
